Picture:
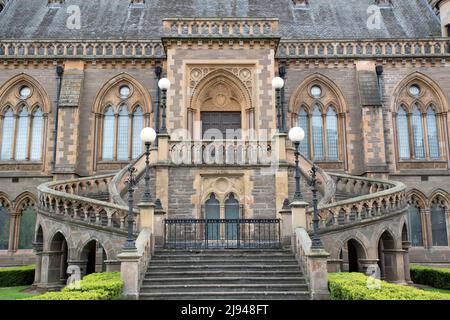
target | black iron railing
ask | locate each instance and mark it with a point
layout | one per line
(222, 233)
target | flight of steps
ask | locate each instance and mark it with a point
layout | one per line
(224, 274)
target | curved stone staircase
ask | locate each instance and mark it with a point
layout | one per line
(98, 203)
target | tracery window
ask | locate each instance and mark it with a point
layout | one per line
(439, 231)
(419, 125)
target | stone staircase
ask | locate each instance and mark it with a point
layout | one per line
(224, 274)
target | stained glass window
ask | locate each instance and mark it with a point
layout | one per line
(415, 226)
(27, 223)
(439, 226)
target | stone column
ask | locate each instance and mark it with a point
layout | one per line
(286, 226)
(129, 272)
(397, 268)
(146, 215)
(427, 219)
(38, 248)
(406, 245)
(299, 219)
(318, 274)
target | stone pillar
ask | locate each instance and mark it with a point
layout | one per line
(129, 272)
(368, 266)
(38, 248)
(428, 236)
(318, 274)
(286, 226)
(159, 227)
(299, 219)
(406, 245)
(395, 272)
(146, 215)
(163, 148)
(112, 265)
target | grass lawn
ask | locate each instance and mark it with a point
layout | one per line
(436, 290)
(14, 293)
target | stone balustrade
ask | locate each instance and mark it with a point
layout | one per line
(82, 50)
(220, 27)
(296, 49)
(374, 198)
(221, 152)
(69, 199)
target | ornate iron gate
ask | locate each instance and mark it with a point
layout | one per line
(222, 233)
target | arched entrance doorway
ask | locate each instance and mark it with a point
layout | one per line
(386, 257)
(351, 254)
(57, 271)
(93, 256)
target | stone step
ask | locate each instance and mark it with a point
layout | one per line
(164, 273)
(222, 261)
(209, 255)
(224, 280)
(228, 267)
(257, 295)
(226, 252)
(219, 287)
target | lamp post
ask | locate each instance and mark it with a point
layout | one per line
(277, 84)
(130, 244)
(316, 243)
(296, 135)
(164, 85)
(148, 136)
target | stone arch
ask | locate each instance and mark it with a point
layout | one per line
(9, 93)
(439, 195)
(5, 202)
(24, 200)
(434, 96)
(109, 95)
(357, 236)
(92, 255)
(386, 257)
(58, 259)
(417, 197)
(301, 94)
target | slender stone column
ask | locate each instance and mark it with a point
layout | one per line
(406, 245)
(38, 248)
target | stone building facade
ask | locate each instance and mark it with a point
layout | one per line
(367, 80)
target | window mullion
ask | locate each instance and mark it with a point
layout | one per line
(13, 149)
(2, 118)
(411, 137)
(29, 124)
(130, 136)
(116, 135)
(425, 136)
(324, 136)
(310, 136)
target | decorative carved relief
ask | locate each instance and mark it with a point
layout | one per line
(222, 187)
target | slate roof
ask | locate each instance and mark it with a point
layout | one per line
(113, 19)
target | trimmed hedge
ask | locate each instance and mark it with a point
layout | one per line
(434, 277)
(17, 276)
(96, 286)
(354, 286)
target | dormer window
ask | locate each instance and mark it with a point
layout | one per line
(301, 4)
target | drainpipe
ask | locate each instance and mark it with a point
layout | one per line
(158, 73)
(59, 76)
(282, 73)
(379, 70)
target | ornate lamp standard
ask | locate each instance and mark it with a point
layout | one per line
(296, 135)
(278, 84)
(316, 242)
(164, 85)
(130, 244)
(148, 136)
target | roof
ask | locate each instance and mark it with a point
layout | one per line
(114, 19)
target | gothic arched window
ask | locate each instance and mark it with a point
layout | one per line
(317, 108)
(108, 134)
(4, 228)
(7, 134)
(419, 122)
(415, 226)
(439, 225)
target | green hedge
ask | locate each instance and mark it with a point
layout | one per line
(434, 277)
(353, 286)
(17, 276)
(96, 286)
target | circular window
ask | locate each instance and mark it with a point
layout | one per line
(124, 92)
(414, 90)
(25, 92)
(316, 91)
